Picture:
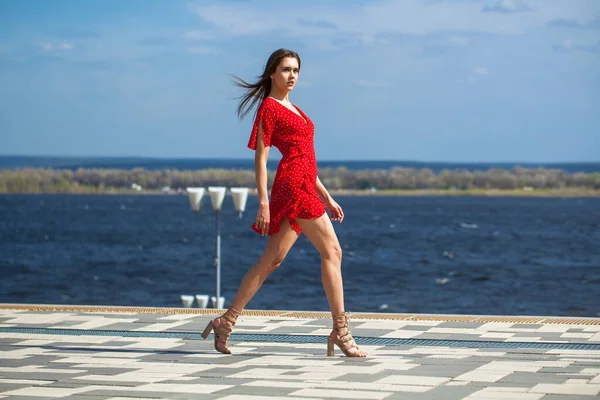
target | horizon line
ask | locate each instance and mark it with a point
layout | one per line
(322, 160)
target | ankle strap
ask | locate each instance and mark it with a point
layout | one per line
(231, 315)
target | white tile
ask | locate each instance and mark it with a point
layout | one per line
(482, 376)
(100, 322)
(523, 339)
(178, 317)
(131, 398)
(448, 356)
(554, 328)
(510, 366)
(414, 380)
(384, 325)
(95, 360)
(590, 371)
(497, 335)
(578, 353)
(457, 383)
(344, 385)
(37, 369)
(59, 338)
(147, 367)
(492, 394)
(159, 327)
(314, 376)
(261, 373)
(32, 318)
(509, 389)
(34, 343)
(286, 360)
(154, 344)
(577, 381)
(133, 376)
(179, 388)
(260, 397)
(488, 354)
(26, 381)
(595, 338)
(46, 392)
(278, 384)
(401, 367)
(20, 354)
(576, 335)
(578, 390)
(401, 334)
(119, 354)
(417, 322)
(340, 394)
(458, 331)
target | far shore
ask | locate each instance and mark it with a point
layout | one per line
(569, 192)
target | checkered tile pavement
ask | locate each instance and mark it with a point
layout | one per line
(96, 366)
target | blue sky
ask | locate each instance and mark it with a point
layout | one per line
(427, 80)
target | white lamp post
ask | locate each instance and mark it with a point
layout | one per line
(240, 195)
(217, 195)
(195, 196)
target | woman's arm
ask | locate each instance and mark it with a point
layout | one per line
(260, 169)
(322, 191)
(335, 211)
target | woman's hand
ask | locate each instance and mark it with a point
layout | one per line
(335, 211)
(263, 217)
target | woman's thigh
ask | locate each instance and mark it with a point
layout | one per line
(280, 243)
(321, 234)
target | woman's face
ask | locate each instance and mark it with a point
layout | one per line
(286, 74)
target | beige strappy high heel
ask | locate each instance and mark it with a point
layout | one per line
(342, 338)
(222, 327)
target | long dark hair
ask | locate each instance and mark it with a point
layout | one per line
(258, 91)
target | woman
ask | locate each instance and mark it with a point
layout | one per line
(295, 205)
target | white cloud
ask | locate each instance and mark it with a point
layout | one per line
(199, 35)
(63, 46)
(459, 40)
(304, 83)
(481, 71)
(375, 18)
(368, 83)
(567, 46)
(507, 7)
(202, 50)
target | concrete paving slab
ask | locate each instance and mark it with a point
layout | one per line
(84, 365)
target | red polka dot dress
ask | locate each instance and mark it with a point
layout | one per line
(294, 193)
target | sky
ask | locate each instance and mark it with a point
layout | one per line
(420, 80)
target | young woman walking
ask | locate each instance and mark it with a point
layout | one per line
(298, 199)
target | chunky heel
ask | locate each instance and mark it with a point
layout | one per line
(221, 328)
(342, 338)
(208, 330)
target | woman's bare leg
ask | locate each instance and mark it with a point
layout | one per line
(278, 246)
(322, 235)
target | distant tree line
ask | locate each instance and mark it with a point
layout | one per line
(115, 180)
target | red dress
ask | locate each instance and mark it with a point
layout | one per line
(294, 193)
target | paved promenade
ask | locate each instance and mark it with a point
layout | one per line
(135, 353)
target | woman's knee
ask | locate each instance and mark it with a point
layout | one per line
(332, 253)
(271, 263)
